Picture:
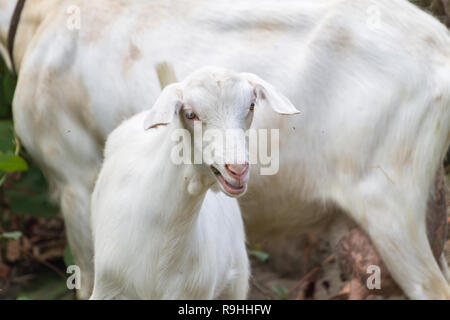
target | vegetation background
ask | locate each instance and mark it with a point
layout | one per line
(33, 250)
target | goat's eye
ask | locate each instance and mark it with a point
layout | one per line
(191, 115)
(252, 106)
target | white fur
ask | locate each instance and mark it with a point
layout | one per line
(372, 79)
(153, 239)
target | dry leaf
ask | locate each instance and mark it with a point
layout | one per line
(4, 271)
(12, 250)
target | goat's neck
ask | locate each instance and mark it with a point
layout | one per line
(33, 14)
(175, 191)
(186, 199)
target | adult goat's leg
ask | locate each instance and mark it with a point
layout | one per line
(356, 253)
(393, 215)
(75, 201)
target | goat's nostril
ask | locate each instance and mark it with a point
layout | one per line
(237, 169)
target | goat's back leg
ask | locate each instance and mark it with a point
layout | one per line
(57, 127)
(70, 162)
(73, 182)
(393, 215)
(75, 202)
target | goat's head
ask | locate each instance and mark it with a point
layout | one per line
(217, 106)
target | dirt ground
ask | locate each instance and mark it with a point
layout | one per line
(303, 268)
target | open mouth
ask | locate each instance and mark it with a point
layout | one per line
(230, 188)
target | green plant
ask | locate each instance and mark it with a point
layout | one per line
(280, 291)
(24, 208)
(258, 254)
(10, 159)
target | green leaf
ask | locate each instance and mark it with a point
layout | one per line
(30, 196)
(12, 163)
(32, 205)
(280, 291)
(68, 257)
(8, 88)
(31, 182)
(23, 298)
(260, 255)
(6, 137)
(12, 235)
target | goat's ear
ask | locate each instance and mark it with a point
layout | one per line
(265, 92)
(165, 108)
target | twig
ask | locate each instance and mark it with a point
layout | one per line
(23, 279)
(261, 289)
(18, 145)
(310, 274)
(47, 264)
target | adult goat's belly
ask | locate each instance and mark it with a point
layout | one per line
(291, 201)
(276, 213)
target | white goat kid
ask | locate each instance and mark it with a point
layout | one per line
(159, 232)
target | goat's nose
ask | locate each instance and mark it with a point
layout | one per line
(237, 169)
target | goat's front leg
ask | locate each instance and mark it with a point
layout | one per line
(393, 216)
(237, 290)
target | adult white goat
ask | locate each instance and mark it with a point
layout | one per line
(372, 79)
(154, 239)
